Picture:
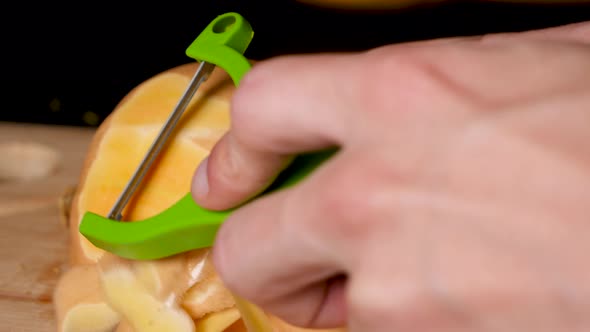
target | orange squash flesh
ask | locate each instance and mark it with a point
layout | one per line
(102, 292)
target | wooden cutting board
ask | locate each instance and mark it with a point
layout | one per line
(33, 239)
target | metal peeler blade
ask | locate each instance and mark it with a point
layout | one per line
(200, 76)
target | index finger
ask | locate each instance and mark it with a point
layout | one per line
(283, 107)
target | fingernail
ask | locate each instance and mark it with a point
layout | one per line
(201, 180)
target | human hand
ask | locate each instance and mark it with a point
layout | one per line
(459, 200)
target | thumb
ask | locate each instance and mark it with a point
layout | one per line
(283, 107)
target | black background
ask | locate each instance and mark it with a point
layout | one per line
(64, 60)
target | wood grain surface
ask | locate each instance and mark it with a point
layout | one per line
(33, 237)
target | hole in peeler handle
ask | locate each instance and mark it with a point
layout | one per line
(224, 24)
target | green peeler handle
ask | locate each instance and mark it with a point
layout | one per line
(185, 225)
(182, 227)
(223, 43)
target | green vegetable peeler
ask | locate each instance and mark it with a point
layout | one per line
(186, 226)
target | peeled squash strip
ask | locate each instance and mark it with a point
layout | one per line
(102, 292)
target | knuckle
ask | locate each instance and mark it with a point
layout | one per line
(404, 63)
(354, 203)
(240, 169)
(221, 165)
(406, 306)
(236, 172)
(347, 213)
(410, 71)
